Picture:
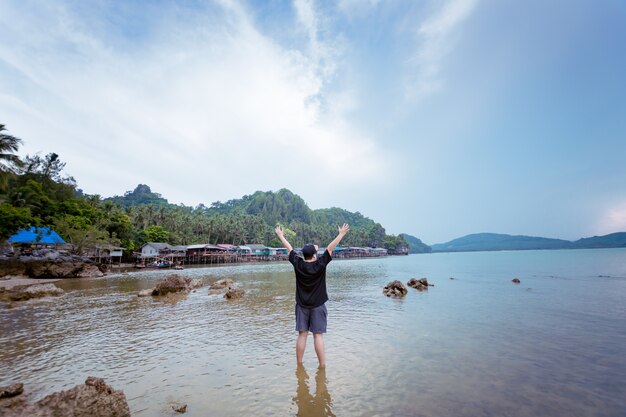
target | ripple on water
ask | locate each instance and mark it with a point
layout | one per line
(476, 345)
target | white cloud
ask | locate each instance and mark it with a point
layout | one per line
(435, 41)
(612, 220)
(356, 7)
(322, 54)
(199, 113)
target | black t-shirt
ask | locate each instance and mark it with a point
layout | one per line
(310, 279)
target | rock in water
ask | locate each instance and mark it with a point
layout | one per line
(33, 291)
(221, 284)
(89, 271)
(179, 408)
(11, 390)
(515, 281)
(93, 399)
(234, 292)
(419, 284)
(172, 284)
(395, 289)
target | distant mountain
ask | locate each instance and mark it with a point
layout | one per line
(415, 244)
(494, 241)
(614, 240)
(141, 195)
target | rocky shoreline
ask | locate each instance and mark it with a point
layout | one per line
(92, 399)
(48, 263)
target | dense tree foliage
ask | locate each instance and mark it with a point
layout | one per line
(13, 219)
(415, 244)
(38, 193)
(9, 162)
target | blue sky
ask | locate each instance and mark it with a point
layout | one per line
(434, 118)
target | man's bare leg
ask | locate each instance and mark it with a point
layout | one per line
(301, 345)
(318, 341)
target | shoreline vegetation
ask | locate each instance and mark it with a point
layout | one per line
(35, 192)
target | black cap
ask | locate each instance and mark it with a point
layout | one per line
(309, 250)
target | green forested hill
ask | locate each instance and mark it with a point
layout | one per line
(34, 192)
(281, 206)
(496, 241)
(43, 197)
(319, 226)
(613, 240)
(415, 244)
(251, 219)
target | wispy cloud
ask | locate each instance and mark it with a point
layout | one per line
(323, 51)
(435, 40)
(203, 112)
(357, 7)
(612, 220)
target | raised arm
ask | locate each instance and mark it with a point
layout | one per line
(281, 236)
(343, 230)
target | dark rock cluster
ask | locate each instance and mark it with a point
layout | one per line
(93, 399)
(179, 407)
(395, 289)
(234, 292)
(23, 293)
(172, 284)
(49, 263)
(419, 284)
(11, 390)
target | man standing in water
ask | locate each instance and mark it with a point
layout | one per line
(311, 294)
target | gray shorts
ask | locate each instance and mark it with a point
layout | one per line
(311, 319)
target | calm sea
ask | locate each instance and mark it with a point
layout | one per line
(475, 345)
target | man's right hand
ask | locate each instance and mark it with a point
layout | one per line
(343, 230)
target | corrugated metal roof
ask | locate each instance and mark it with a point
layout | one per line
(255, 246)
(200, 246)
(158, 245)
(205, 246)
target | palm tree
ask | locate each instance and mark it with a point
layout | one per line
(9, 162)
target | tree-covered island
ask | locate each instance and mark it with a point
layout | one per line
(35, 191)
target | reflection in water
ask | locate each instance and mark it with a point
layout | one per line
(316, 405)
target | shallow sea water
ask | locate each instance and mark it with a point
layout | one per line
(475, 345)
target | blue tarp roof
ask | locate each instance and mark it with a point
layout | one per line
(37, 235)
